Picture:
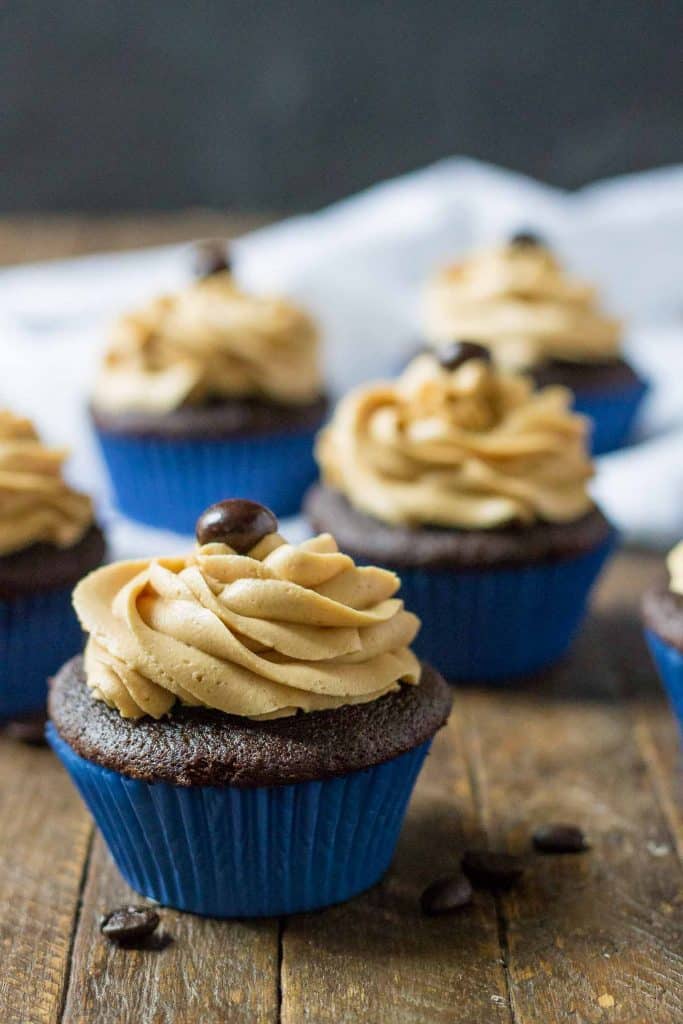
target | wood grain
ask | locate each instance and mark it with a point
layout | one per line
(590, 937)
(377, 958)
(44, 838)
(655, 730)
(24, 237)
(202, 970)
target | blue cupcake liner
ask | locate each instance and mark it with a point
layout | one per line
(613, 415)
(490, 624)
(261, 852)
(669, 662)
(38, 633)
(169, 483)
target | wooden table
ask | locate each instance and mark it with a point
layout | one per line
(583, 938)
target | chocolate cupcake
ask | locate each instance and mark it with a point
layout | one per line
(248, 722)
(474, 487)
(48, 540)
(205, 392)
(663, 618)
(517, 300)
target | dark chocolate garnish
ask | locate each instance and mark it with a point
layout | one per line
(129, 926)
(237, 522)
(526, 238)
(558, 837)
(491, 869)
(29, 729)
(456, 353)
(446, 895)
(210, 256)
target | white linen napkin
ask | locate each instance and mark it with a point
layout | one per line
(359, 266)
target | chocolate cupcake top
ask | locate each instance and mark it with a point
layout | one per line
(208, 342)
(468, 447)
(246, 624)
(517, 299)
(36, 504)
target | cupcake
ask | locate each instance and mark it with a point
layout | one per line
(663, 617)
(248, 722)
(205, 392)
(473, 486)
(518, 301)
(48, 540)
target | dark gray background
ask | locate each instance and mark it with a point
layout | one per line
(161, 103)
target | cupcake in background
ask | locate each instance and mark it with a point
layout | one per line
(248, 722)
(472, 486)
(48, 541)
(517, 300)
(663, 617)
(205, 392)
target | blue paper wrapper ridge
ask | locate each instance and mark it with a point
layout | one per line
(495, 624)
(260, 852)
(613, 414)
(168, 483)
(38, 633)
(669, 662)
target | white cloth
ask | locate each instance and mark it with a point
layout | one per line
(359, 266)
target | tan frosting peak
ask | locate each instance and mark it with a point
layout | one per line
(469, 448)
(674, 564)
(210, 340)
(520, 302)
(281, 629)
(36, 504)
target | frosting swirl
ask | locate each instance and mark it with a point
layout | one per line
(674, 564)
(281, 629)
(472, 448)
(519, 301)
(36, 504)
(209, 341)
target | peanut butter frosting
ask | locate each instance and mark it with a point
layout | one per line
(36, 504)
(280, 629)
(674, 564)
(520, 302)
(207, 342)
(469, 448)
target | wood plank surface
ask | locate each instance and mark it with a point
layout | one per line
(44, 838)
(596, 936)
(377, 958)
(618, 601)
(26, 237)
(586, 938)
(201, 970)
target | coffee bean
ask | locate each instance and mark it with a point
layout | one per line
(237, 522)
(210, 257)
(526, 238)
(129, 926)
(560, 838)
(456, 353)
(29, 730)
(445, 895)
(490, 869)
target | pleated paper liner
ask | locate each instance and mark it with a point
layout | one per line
(239, 852)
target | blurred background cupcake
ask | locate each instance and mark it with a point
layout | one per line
(518, 301)
(249, 720)
(663, 617)
(209, 391)
(48, 540)
(474, 486)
